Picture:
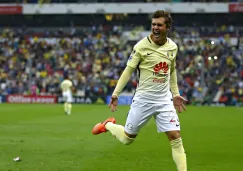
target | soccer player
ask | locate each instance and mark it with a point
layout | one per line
(157, 93)
(66, 87)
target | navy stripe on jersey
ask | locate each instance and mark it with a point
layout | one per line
(138, 75)
(138, 70)
(148, 39)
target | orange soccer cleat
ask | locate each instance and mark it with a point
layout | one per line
(100, 127)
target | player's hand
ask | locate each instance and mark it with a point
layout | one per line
(179, 103)
(113, 103)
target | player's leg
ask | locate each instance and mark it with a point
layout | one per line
(64, 95)
(66, 107)
(168, 122)
(118, 131)
(138, 116)
(115, 129)
(178, 152)
(69, 103)
(69, 108)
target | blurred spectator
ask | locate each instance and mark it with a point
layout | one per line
(208, 71)
(109, 1)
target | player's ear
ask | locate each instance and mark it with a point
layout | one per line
(168, 28)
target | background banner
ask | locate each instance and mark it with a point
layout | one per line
(5, 10)
(122, 100)
(237, 7)
(2, 99)
(77, 100)
(31, 99)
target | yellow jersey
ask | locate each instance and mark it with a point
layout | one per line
(66, 85)
(154, 64)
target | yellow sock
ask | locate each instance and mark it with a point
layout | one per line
(69, 108)
(178, 154)
(118, 132)
(65, 107)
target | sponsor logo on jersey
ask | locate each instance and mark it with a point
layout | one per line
(161, 66)
(161, 71)
(159, 80)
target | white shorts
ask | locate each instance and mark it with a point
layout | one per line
(140, 113)
(67, 96)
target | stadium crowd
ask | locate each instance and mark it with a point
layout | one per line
(109, 1)
(208, 71)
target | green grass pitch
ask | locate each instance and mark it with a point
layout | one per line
(47, 140)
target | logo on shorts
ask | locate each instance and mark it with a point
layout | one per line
(178, 124)
(172, 120)
(130, 126)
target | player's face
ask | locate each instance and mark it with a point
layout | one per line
(159, 29)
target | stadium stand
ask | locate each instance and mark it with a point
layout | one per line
(110, 1)
(38, 54)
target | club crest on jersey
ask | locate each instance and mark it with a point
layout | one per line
(170, 54)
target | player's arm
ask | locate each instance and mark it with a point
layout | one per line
(177, 99)
(173, 80)
(132, 63)
(73, 90)
(122, 82)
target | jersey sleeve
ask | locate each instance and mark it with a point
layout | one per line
(125, 77)
(173, 77)
(134, 58)
(173, 63)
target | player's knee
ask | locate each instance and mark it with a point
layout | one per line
(172, 135)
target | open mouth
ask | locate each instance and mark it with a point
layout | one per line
(156, 34)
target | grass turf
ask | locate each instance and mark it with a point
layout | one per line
(47, 140)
